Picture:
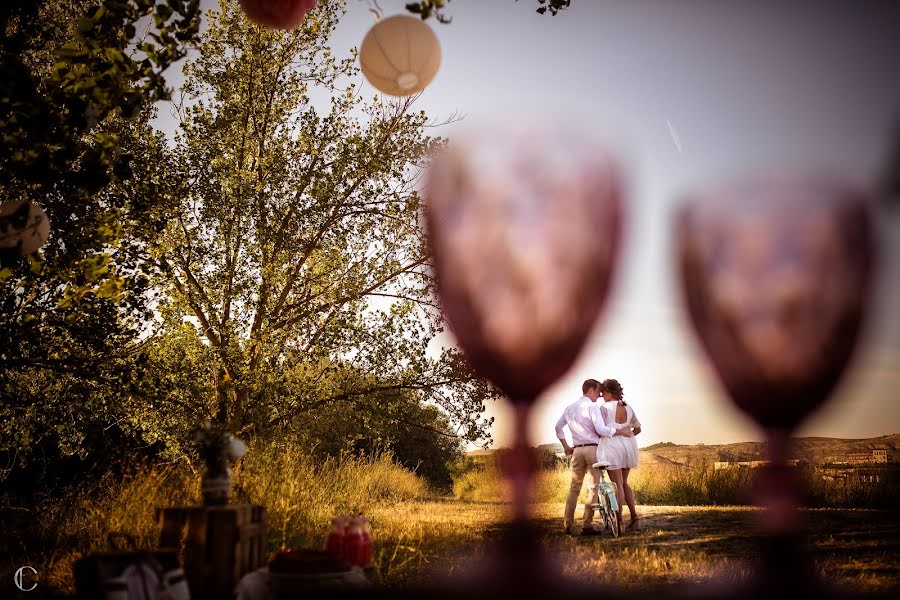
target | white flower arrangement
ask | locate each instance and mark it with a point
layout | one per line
(235, 448)
(217, 448)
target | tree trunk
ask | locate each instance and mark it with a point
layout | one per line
(241, 396)
(221, 397)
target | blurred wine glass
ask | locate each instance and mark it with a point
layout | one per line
(776, 272)
(524, 224)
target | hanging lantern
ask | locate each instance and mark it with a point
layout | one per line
(23, 226)
(400, 55)
(277, 14)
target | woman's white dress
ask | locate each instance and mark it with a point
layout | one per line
(621, 451)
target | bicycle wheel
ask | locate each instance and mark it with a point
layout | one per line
(608, 517)
(604, 520)
(613, 524)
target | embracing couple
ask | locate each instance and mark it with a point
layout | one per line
(602, 436)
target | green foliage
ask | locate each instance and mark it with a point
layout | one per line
(275, 245)
(548, 460)
(416, 434)
(427, 8)
(293, 246)
(659, 445)
(63, 76)
(174, 392)
(70, 80)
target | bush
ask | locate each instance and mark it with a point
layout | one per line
(301, 496)
(479, 485)
(333, 432)
(858, 488)
(695, 484)
(55, 530)
(698, 484)
(484, 483)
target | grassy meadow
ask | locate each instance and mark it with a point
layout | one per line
(692, 531)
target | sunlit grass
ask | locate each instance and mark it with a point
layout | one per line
(420, 535)
(301, 497)
(118, 512)
(697, 484)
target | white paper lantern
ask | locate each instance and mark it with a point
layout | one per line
(31, 230)
(400, 55)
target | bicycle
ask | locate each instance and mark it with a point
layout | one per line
(607, 505)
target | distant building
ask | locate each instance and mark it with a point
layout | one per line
(877, 456)
(858, 458)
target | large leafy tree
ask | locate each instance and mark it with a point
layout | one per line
(295, 249)
(77, 78)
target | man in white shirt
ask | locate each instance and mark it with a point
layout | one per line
(586, 422)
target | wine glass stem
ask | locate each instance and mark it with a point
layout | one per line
(779, 486)
(520, 468)
(779, 492)
(779, 441)
(519, 558)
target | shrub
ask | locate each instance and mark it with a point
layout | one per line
(301, 496)
(695, 484)
(484, 483)
(479, 485)
(857, 488)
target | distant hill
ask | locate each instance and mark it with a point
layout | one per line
(817, 450)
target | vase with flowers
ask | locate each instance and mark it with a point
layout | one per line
(218, 449)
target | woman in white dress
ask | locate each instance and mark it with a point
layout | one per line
(621, 451)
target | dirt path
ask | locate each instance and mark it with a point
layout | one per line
(859, 549)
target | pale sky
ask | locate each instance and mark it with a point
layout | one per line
(733, 86)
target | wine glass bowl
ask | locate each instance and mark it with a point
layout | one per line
(776, 272)
(524, 225)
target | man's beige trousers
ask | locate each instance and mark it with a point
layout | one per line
(582, 459)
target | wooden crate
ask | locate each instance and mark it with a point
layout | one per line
(218, 544)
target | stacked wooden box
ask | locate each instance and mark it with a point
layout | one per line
(218, 544)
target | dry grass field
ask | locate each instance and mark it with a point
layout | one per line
(422, 536)
(855, 549)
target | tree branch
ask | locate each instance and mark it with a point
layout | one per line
(198, 312)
